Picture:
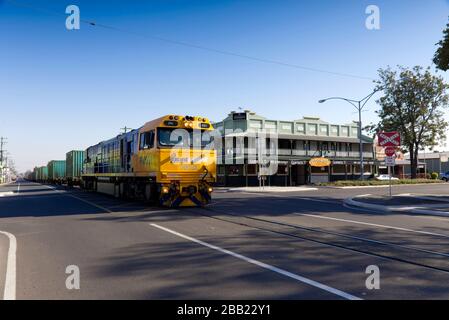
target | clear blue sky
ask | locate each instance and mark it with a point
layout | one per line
(62, 90)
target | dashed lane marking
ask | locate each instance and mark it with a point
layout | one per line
(80, 199)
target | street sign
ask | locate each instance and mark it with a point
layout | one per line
(389, 139)
(390, 151)
(390, 161)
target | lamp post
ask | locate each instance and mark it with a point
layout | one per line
(359, 105)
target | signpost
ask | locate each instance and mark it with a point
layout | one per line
(390, 162)
(390, 141)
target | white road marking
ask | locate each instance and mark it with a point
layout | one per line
(89, 202)
(373, 224)
(80, 199)
(9, 193)
(320, 200)
(10, 280)
(414, 215)
(264, 265)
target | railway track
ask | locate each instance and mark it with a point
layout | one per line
(378, 248)
(383, 249)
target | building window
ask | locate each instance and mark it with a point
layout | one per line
(338, 169)
(334, 130)
(324, 130)
(251, 169)
(313, 128)
(282, 169)
(270, 125)
(301, 128)
(255, 124)
(287, 126)
(284, 144)
(234, 171)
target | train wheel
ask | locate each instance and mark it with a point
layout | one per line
(150, 192)
(117, 193)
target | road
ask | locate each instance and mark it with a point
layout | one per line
(295, 245)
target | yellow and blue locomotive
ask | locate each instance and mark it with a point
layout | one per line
(170, 160)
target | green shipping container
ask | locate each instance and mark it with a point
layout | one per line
(74, 164)
(56, 170)
(42, 174)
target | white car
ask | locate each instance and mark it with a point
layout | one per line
(385, 177)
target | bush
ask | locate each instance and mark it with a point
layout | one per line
(434, 175)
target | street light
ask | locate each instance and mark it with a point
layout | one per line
(358, 104)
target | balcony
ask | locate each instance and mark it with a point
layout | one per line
(308, 153)
(330, 154)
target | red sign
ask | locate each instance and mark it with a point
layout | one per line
(389, 139)
(390, 151)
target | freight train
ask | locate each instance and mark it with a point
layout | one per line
(170, 160)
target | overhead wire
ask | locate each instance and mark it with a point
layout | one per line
(191, 45)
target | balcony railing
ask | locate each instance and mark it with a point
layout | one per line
(310, 153)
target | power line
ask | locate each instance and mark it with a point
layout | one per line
(194, 46)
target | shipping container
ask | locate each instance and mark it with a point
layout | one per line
(41, 174)
(44, 173)
(56, 171)
(74, 166)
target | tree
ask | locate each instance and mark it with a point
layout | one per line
(441, 57)
(413, 104)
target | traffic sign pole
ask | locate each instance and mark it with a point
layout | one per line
(389, 178)
(389, 140)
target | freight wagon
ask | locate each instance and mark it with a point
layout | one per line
(74, 167)
(33, 175)
(41, 174)
(56, 171)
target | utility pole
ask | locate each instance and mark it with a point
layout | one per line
(2, 143)
(125, 129)
(358, 104)
(2, 151)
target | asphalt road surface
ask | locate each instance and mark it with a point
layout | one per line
(296, 245)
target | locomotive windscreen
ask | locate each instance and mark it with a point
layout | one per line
(184, 138)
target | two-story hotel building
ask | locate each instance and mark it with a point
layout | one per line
(298, 141)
